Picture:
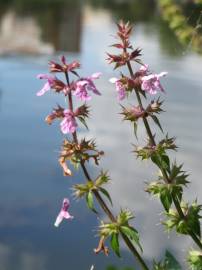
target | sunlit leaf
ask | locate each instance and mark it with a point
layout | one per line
(90, 202)
(132, 234)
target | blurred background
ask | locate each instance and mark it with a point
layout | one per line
(32, 186)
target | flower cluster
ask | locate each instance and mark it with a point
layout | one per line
(75, 152)
(143, 80)
(82, 88)
(172, 179)
(168, 187)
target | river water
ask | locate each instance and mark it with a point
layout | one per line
(32, 185)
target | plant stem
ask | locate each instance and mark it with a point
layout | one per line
(163, 171)
(99, 197)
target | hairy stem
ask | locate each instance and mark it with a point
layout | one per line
(163, 171)
(99, 197)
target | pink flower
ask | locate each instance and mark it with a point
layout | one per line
(144, 69)
(151, 83)
(68, 124)
(119, 88)
(81, 91)
(83, 86)
(91, 86)
(48, 85)
(63, 213)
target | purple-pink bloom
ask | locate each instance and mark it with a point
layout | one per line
(63, 212)
(68, 124)
(84, 85)
(119, 88)
(91, 86)
(151, 83)
(144, 69)
(48, 85)
(81, 91)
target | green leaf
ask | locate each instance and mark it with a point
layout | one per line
(89, 200)
(197, 228)
(177, 192)
(156, 121)
(156, 160)
(115, 243)
(193, 218)
(166, 199)
(132, 234)
(106, 193)
(161, 160)
(195, 259)
(171, 262)
(165, 162)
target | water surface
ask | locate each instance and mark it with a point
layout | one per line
(32, 185)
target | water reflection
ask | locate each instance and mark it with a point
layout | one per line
(42, 30)
(32, 184)
(52, 26)
(21, 35)
(134, 11)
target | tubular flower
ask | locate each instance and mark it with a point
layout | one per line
(63, 213)
(48, 85)
(83, 86)
(81, 91)
(119, 88)
(151, 83)
(68, 124)
(53, 83)
(144, 69)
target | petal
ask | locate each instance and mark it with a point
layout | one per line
(162, 74)
(66, 215)
(91, 87)
(96, 75)
(148, 77)
(67, 112)
(113, 80)
(81, 83)
(59, 219)
(95, 91)
(65, 203)
(42, 76)
(44, 89)
(121, 95)
(144, 68)
(152, 91)
(64, 126)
